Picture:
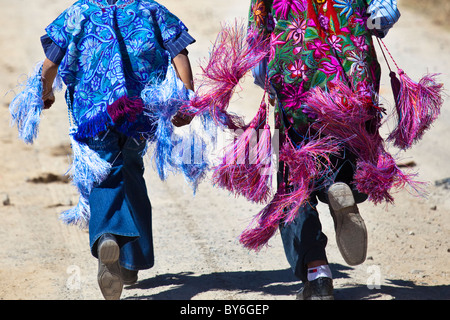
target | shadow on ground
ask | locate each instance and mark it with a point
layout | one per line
(185, 286)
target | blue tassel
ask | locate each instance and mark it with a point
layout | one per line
(190, 158)
(164, 99)
(195, 170)
(26, 107)
(78, 215)
(87, 170)
(161, 102)
(164, 145)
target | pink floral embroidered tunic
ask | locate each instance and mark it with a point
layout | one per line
(315, 43)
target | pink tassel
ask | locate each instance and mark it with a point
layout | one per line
(255, 239)
(344, 114)
(264, 224)
(376, 180)
(246, 167)
(235, 52)
(125, 108)
(417, 105)
(283, 208)
(307, 164)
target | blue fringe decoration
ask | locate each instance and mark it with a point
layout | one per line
(173, 153)
(97, 123)
(87, 170)
(192, 160)
(26, 107)
(161, 102)
(78, 215)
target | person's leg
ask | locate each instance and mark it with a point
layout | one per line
(111, 224)
(138, 254)
(304, 244)
(303, 240)
(342, 198)
(110, 211)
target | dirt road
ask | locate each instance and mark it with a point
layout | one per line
(197, 252)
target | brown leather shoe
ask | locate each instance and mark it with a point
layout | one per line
(351, 232)
(129, 277)
(109, 277)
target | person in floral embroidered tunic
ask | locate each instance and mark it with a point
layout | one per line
(320, 43)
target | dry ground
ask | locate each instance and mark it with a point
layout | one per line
(197, 252)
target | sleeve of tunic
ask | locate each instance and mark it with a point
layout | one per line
(174, 33)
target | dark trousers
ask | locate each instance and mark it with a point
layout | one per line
(303, 239)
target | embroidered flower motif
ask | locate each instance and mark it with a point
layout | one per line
(332, 67)
(320, 48)
(324, 22)
(297, 30)
(282, 7)
(89, 50)
(115, 73)
(334, 41)
(298, 70)
(359, 66)
(259, 12)
(360, 43)
(345, 6)
(74, 18)
(293, 95)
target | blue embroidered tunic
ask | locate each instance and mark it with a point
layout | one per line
(112, 51)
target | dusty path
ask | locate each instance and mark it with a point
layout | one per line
(197, 252)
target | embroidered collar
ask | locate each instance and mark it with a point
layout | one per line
(108, 3)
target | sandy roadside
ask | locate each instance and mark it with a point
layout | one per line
(197, 252)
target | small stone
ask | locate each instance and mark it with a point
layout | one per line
(416, 271)
(5, 199)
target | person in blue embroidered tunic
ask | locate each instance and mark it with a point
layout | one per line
(106, 52)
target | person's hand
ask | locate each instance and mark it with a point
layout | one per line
(272, 100)
(180, 119)
(48, 99)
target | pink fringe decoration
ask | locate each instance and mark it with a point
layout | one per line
(246, 166)
(266, 222)
(418, 106)
(307, 164)
(235, 52)
(125, 108)
(376, 180)
(344, 115)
